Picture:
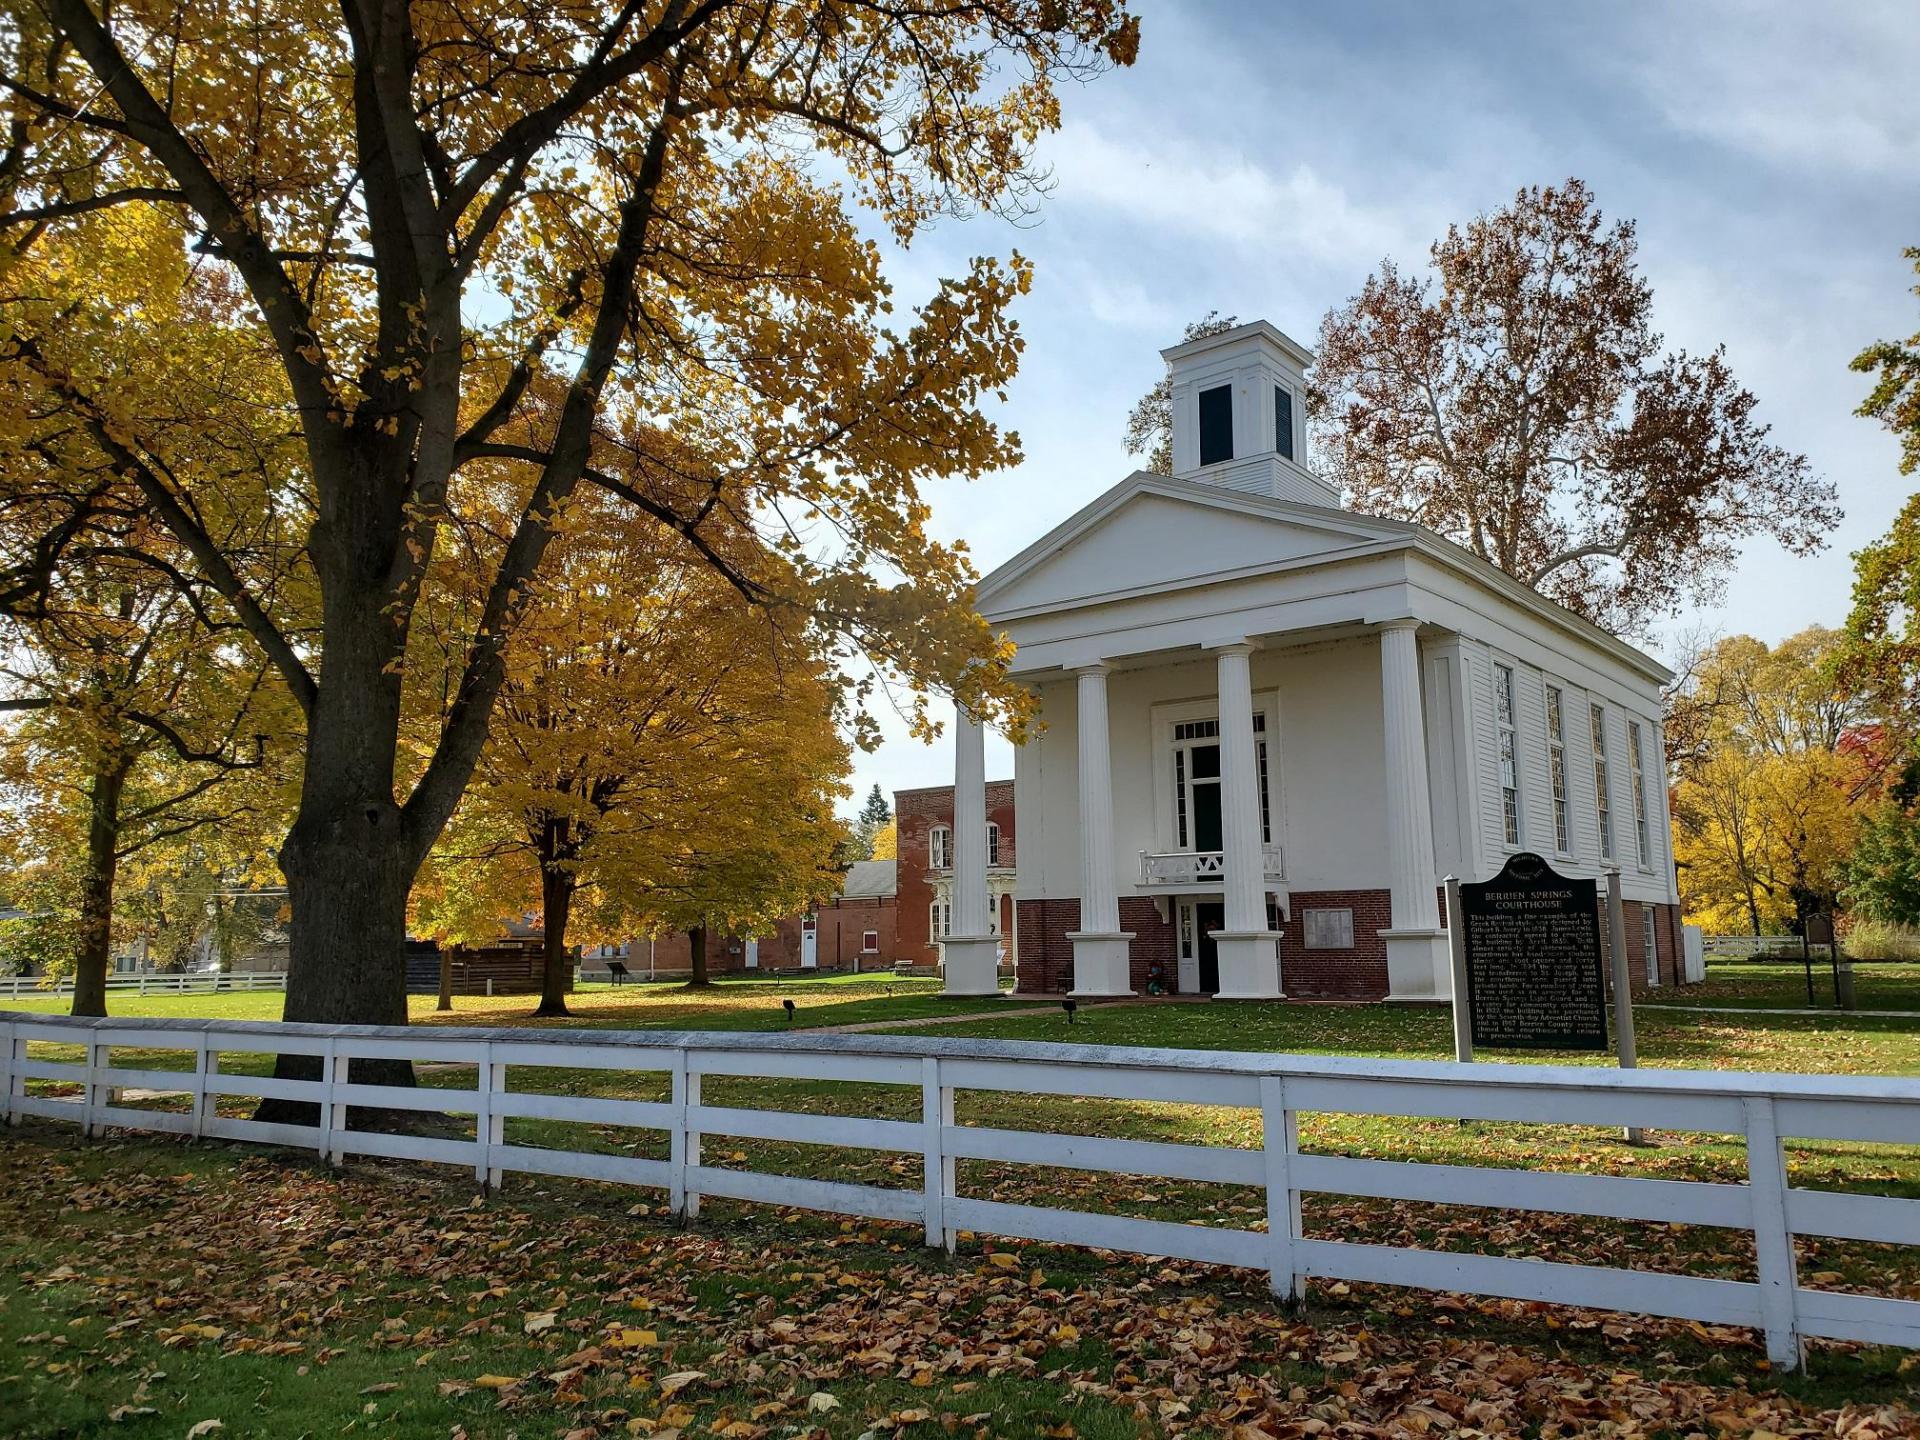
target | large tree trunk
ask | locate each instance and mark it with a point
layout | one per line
(95, 948)
(349, 860)
(697, 955)
(556, 901)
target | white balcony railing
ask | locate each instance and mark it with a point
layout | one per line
(1201, 867)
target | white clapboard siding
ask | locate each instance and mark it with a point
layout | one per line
(508, 1069)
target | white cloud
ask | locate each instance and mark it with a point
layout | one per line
(1802, 87)
(1168, 184)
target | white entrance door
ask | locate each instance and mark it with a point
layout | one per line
(1187, 980)
(809, 948)
(753, 954)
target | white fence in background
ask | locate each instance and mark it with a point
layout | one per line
(1748, 947)
(1761, 1108)
(198, 982)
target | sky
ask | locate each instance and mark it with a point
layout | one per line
(1262, 158)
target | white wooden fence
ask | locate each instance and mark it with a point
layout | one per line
(1761, 1108)
(197, 982)
(1749, 947)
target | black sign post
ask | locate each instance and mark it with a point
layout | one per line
(1528, 950)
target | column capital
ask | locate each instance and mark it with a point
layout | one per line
(1092, 667)
(1235, 645)
(1404, 622)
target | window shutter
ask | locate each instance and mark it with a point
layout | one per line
(1283, 421)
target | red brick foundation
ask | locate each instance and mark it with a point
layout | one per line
(1356, 974)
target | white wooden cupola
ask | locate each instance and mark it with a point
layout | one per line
(1239, 414)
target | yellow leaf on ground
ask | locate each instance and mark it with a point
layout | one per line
(679, 1380)
(537, 1321)
(496, 1382)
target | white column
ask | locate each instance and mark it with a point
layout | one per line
(1417, 966)
(1100, 946)
(1249, 951)
(968, 954)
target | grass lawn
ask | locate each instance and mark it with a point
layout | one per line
(1772, 984)
(725, 1005)
(149, 1288)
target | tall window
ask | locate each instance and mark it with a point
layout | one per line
(1557, 767)
(1196, 784)
(1509, 753)
(939, 919)
(940, 847)
(1634, 762)
(1648, 939)
(1260, 762)
(1216, 425)
(1602, 781)
(993, 843)
(1283, 421)
(1197, 812)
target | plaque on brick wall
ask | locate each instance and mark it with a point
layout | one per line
(1535, 976)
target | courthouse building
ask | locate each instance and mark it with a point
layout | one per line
(1270, 726)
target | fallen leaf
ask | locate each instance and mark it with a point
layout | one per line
(820, 1402)
(538, 1321)
(204, 1427)
(679, 1381)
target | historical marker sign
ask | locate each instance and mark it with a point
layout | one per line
(1535, 977)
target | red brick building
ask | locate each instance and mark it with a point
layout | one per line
(924, 823)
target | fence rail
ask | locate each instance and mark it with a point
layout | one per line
(1763, 1109)
(193, 982)
(1749, 947)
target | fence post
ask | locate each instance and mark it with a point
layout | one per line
(690, 1143)
(489, 1129)
(936, 1113)
(1772, 1236)
(330, 1115)
(12, 1082)
(199, 1085)
(677, 1135)
(1280, 1138)
(95, 1096)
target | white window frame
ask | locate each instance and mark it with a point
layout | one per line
(1506, 743)
(1650, 942)
(939, 920)
(940, 847)
(1556, 710)
(1266, 741)
(1636, 761)
(869, 942)
(993, 842)
(1602, 777)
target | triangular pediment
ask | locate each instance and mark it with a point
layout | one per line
(1153, 533)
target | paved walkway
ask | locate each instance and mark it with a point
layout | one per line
(1015, 1010)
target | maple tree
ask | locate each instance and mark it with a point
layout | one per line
(1518, 401)
(139, 731)
(1767, 805)
(498, 256)
(648, 710)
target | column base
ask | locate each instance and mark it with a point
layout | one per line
(1102, 963)
(971, 964)
(1418, 967)
(1249, 964)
